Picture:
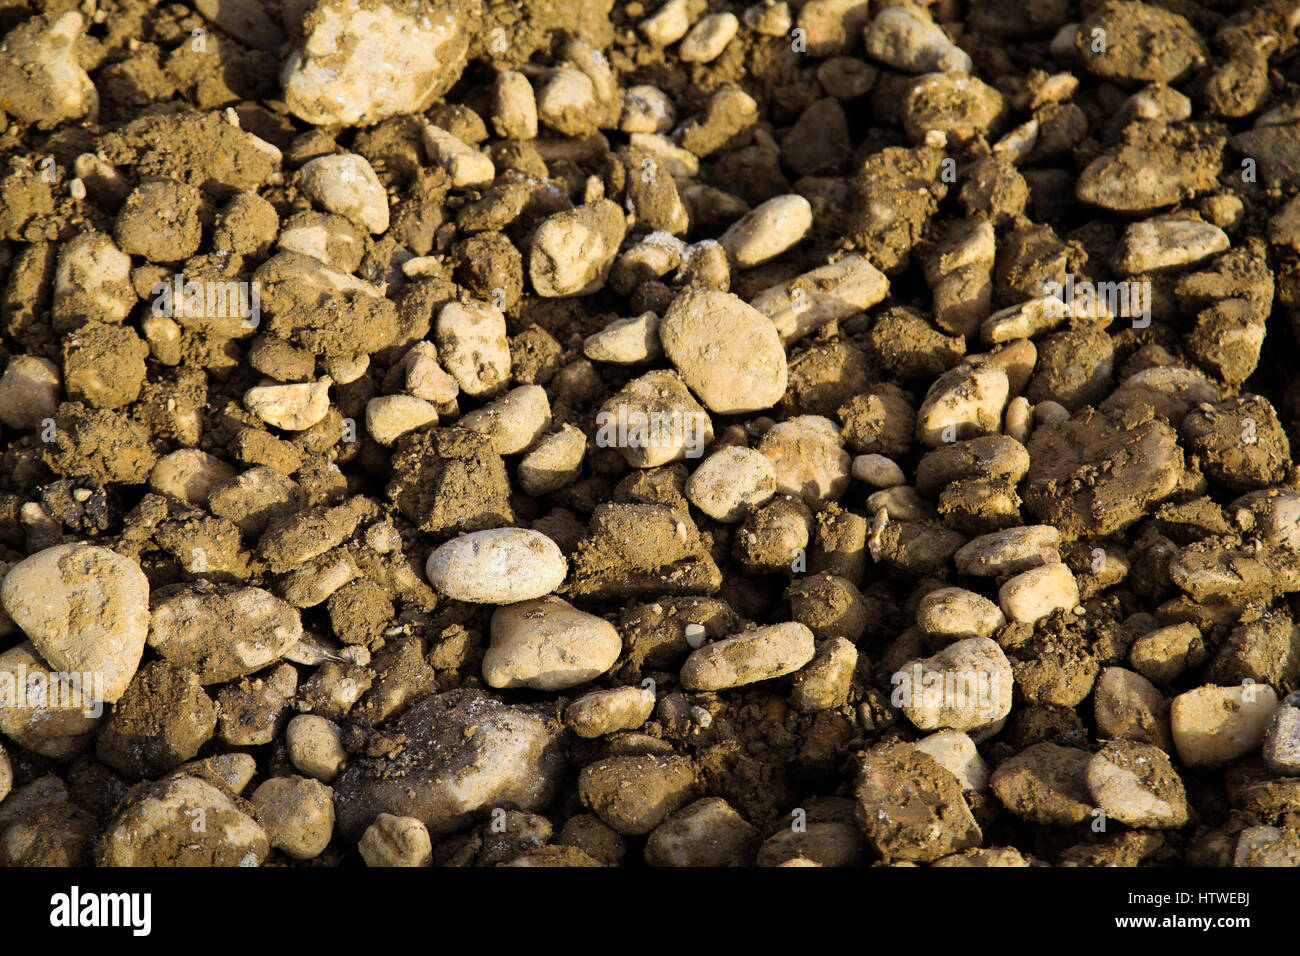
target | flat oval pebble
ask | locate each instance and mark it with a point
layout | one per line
(548, 644)
(749, 657)
(499, 566)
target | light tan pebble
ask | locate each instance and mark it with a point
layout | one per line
(513, 422)
(647, 109)
(901, 503)
(878, 470)
(1136, 784)
(92, 282)
(29, 391)
(655, 256)
(45, 83)
(164, 337)
(313, 583)
(1062, 45)
(466, 166)
(998, 856)
(707, 832)
(293, 408)
(756, 655)
(572, 251)
(396, 841)
(653, 420)
(768, 230)
(625, 341)
(346, 184)
(345, 369)
(955, 751)
(473, 346)
(356, 66)
(6, 774)
(1018, 422)
(567, 102)
(514, 106)
(681, 164)
(1213, 726)
(668, 24)
(425, 378)
(730, 483)
(85, 608)
(809, 459)
(548, 644)
(913, 43)
(1272, 513)
(609, 711)
(554, 463)
(727, 352)
(963, 402)
(297, 813)
(771, 18)
(1166, 242)
(831, 27)
(1034, 594)
(955, 614)
(951, 108)
(315, 747)
(1127, 706)
(498, 566)
(1016, 145)
(966, 686)
(1266, 846)
(708, 38)
(705, 264)
(224, 633)
(827, 680)
(389, 417)
(593, 62)
(825, 294)
(1155, 103)
(54, 717)
(1048, 411)
(959, 273)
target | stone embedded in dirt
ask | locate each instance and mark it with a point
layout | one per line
(513, 422)
(708, 832)
(727, 352)
(904, 39)
(956, 752)
(966, 686)
(345, 183)
(1127, 706)
(990, 456)
(1241, 442)
(767, 230)
(85, 608)
(554, 462)
(1136, 784)
(46, 712)
(548, 644)
(1046, 784)
(603, 712)
(653, 420)
(625, 341)
(1213, 726)
(356, 67)
(1166, 242)
(159, 825)
(29, 392)
(964, 402)
(957, 107)
(634, 794)
(731, 482)
(572, 251)
(42, 77)
(826, 681)
(396, 841)
(498, 566)
(472, 343)
(293, 408)
(1282, 739)
(161, 721)
(159, 221)
(911, 807)
(221, 633)
(808, 458)
(92, 282)
(315, 747)
(298, 814)
(465, 753)
(389, 417)
(826, 294)
(1033, 595)
(190, 475)
(1163, 654)
(955, 614)
(1141, 43)
(748, 657)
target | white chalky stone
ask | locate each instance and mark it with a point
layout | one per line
(499, 566)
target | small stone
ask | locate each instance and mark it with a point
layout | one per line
(962, 403)
(1046, 784)
(514, 106)
(6, 774)
(161, 721)
(190, 475)
(346, 184)
(1136, 784)
(294, 408)
(827, 680)
(768, 230)
(730, 483)
(572, 251)
(955, 614)
(1009, 552)
(554, 463)
(609, 711)
(466, 166)
(728, 353)
(1163, 654)
(92, 282)
(808, 458)
(1127, 706)
(825, 294)
(29, 392)
(878, 470)
(634, 794)
(389, 417)
(46, 712)
(1282, 739)
(396, 841)
(472, 341)
(222, 633)
(568, 102)
(748, 657)
(1034, 594)
(708, 832)
(708, 38)
(647, 109)
(653, 420)
(548, 644)
(41, 75)
(907, 41)
(315, 747)
(1213, 726)
(85, 608)
(498, 566)
(911, 807)
(1167, 242)
(625, 341)
(966, 686)
(513, 422)
(955, 752)
(668, 24)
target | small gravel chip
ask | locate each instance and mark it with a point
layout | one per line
(222, 633)
(609, 711)
(466, 166)
(954, 614)
(498, 566)
(389, 417)
(555, 462)
(513, 422)
(294, 408)
(708, 38)
(1034, 594)
(768, 230)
